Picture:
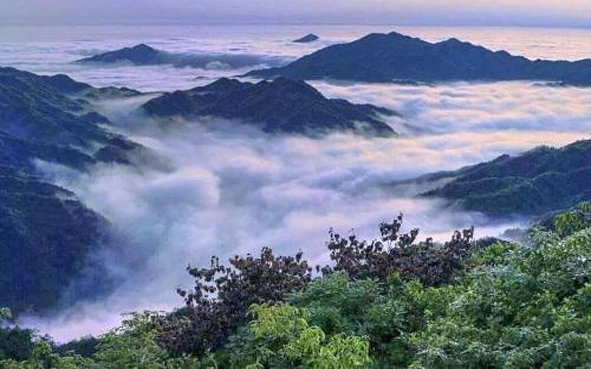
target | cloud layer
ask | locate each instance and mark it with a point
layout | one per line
(231, 189)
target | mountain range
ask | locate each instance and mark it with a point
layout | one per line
(278, 106)
(395, 57)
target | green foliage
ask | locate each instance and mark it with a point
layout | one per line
(16, 343)
(132, 345)
(574, 220)
(43, 357)
(490, 305)
(281, 337)
(85, 346)
(387, 313)
(532, 310)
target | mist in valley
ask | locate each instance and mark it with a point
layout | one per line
(217, 187)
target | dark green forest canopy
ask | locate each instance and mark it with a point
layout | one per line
(536, 182)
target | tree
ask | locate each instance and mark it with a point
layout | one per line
(218, 304)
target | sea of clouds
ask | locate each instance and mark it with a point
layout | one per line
(224, 188)
(229, 189)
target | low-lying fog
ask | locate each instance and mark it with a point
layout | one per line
(230, 189)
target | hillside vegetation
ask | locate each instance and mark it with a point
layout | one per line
(387, 303)
(536, 182)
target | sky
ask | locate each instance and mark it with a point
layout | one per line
(549, 13)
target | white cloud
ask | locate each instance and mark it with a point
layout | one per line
(231, 189)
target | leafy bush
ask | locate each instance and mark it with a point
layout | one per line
(396, 253)
(280, 337)
(85, 346)
(386, 313)
(218, 304)
(572, 221)
(530, 311)
(132, 345)
(16, 343)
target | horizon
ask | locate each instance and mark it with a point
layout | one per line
(504, 13)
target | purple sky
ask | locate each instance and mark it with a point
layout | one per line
(566, 13)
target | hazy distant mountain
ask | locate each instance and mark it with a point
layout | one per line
(539, 181)
(75, 89)
(281, 105)
(139, 54)
(145, 55)
(47, 233)
(39, 119)
(307, 39)
(396, 57)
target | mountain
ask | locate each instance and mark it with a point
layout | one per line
(140, 54)
(539, 181)
(307, 39)
(47, 235)
(38, 119)
(47, 232)
(143, 54)
(75, 89)
(278, 106)
(395, 57)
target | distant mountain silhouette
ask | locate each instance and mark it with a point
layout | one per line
(307, 39)
(139, 54)
(143, 54)
(539, 181)
(395, 57)
(281, 105)
(47, 233)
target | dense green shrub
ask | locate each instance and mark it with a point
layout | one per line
(15, 343)
(529, 311)
(85, 346)
(574, 220)
(387, 313)
(281, 337)
(132, 345)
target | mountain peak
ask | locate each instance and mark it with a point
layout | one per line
(138, 54)
(221, 85)
(143, 47)
(397, 34)
(307, 39)
(281, 105)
